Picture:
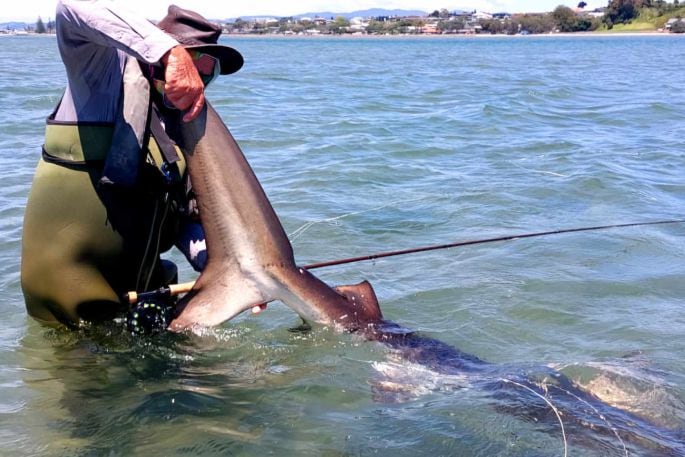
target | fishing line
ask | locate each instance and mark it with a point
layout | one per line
(551, 405)
(150, 241)
(167, 203)
(600, 415)
(542, 172)
(147, 250)
(298, 232)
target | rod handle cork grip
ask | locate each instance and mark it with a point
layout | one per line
(170, 291)
(132, 297)
(183, 288)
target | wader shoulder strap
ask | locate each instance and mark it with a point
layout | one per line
(124, 159)
(166, 144)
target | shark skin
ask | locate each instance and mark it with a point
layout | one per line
(250, 259)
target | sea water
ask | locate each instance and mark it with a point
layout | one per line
(368, 145)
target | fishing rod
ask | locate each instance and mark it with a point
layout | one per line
(176, 289)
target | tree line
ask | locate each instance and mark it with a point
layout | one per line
(625, 11)
(562, 19)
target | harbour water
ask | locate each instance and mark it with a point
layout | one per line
(367, 145)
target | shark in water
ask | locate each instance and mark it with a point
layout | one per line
(249, 257)
(250, 262)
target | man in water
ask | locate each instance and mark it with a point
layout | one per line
(110, 192)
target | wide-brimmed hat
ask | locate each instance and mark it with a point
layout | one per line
(193, 31)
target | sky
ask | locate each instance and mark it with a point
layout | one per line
(29, 10)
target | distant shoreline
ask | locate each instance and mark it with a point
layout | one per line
(454, 36)
(418, 36)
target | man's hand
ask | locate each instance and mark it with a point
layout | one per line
(183, 87)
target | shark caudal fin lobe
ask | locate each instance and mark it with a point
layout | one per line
(363, 301)
(219, 295)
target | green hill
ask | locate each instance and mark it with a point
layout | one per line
(649, 20)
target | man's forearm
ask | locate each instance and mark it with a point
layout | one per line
(107, 24)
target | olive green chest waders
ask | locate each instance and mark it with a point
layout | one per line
(78, 255)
